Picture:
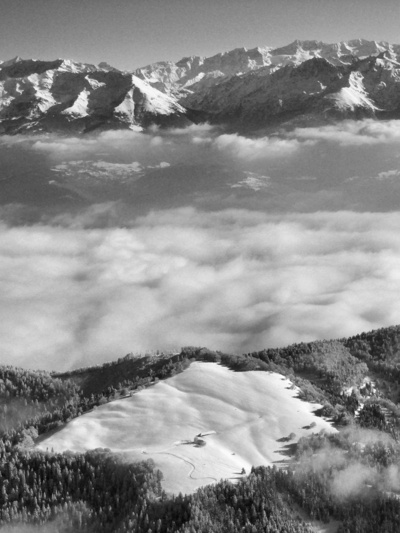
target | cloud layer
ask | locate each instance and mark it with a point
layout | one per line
(234, 280)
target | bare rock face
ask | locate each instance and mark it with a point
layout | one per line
(303, 82)
(63, 95)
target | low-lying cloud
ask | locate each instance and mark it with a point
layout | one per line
(232, 280)
(351, 472)
(263, 148)
(353, 133)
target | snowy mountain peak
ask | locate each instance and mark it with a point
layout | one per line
(197, 74)
(68, 65)
(105, 66)
(12, 61)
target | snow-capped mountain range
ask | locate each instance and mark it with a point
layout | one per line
(304, 82)
(61, 94)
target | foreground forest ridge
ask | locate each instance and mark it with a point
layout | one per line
(350, 478)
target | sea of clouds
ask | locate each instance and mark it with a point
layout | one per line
(311, 250)
(232, 280)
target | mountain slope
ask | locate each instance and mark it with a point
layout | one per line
(307, 80)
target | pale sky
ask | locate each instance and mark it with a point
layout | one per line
(133, 33)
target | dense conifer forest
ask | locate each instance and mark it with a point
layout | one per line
(351, 477)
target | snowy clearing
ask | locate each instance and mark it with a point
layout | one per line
(239, 415)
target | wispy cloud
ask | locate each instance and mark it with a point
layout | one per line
(252, 181)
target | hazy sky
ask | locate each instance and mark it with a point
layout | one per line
(132, 33)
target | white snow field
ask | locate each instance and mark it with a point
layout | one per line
(244, 414)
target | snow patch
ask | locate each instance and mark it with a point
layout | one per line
(126, 109)
(94, 84)
(253, 181)
(349, 98)
(104, 170)
(80, 106)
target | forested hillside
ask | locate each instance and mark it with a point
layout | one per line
(351, 477)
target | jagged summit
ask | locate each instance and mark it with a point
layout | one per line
(195, 72)
(12, 61)
(105, 66)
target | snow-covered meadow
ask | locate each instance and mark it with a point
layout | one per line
(242, 416)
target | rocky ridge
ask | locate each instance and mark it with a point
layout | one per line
(316, 91)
